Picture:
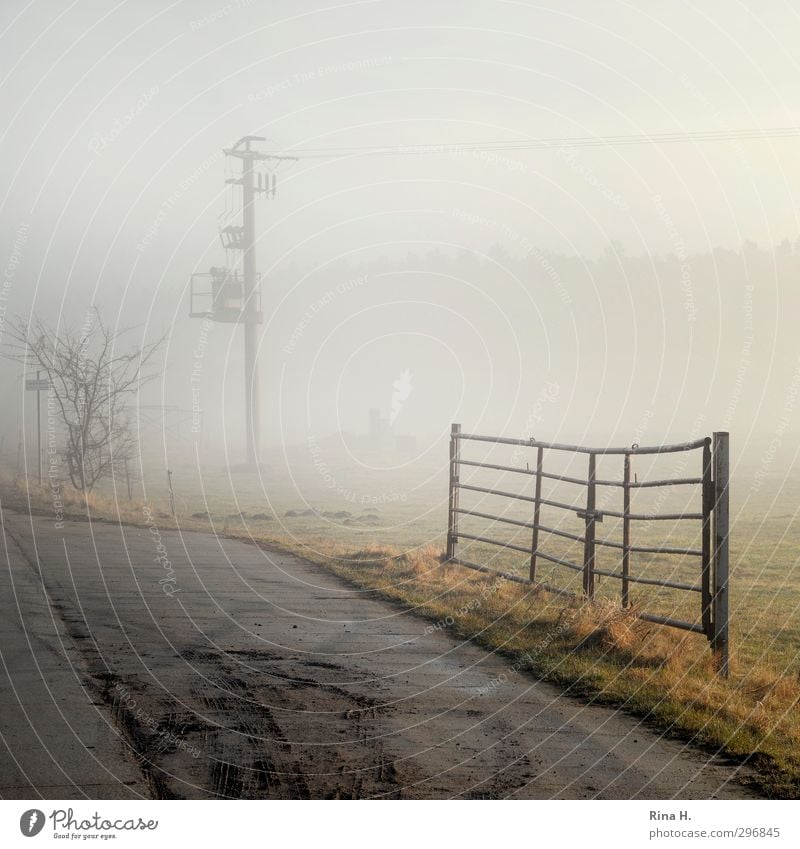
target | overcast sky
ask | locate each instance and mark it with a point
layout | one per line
(114, 106)
(116, 115)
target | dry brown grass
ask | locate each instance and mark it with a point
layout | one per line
(24, 494)
(607, 625)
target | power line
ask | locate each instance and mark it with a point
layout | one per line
(546, 143)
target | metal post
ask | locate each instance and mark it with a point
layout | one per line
(626, 531)
(251, 396)
(719, 642)
(452, 519)
(536, 509)
(39, 425)
(171, 493)
(128, 479)
(706, 567)
(588, 546)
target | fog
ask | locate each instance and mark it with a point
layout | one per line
(626, 292)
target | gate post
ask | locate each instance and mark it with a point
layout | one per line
(536, 514)
(452, 516)
(589, 533)
(626, 531)
(707, 569)
(719, 642)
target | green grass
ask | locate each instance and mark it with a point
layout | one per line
(765, 539)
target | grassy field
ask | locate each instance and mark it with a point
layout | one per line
(404, 506)
(383, 527)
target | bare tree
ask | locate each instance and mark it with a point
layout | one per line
(91, 382)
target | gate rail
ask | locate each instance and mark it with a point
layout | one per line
(713, 555)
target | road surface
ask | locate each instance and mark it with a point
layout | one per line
(147, 663)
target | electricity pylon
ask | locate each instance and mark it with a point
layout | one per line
(238, 299)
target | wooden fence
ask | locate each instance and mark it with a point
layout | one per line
(711, 586)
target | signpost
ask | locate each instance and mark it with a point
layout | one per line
(38, 386)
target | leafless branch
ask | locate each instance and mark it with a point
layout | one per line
(91, 378)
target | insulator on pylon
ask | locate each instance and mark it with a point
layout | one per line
(274, 184)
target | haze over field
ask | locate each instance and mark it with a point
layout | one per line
(256, 260)
(625, 292)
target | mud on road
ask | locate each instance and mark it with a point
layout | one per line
(239, 748)
(254, 674)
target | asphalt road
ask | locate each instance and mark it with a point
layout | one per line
(212, 668)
